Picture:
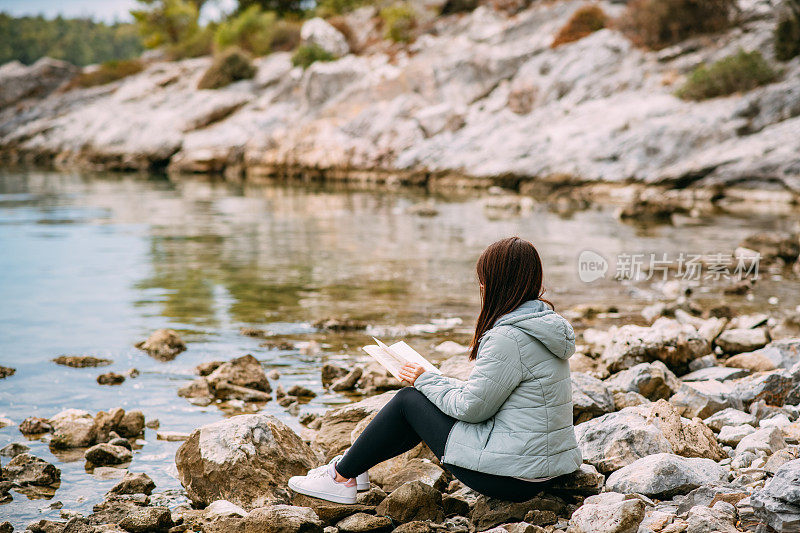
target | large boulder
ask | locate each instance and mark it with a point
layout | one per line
(590, 397)
(335, 430)
(618, 439)
(778, 502)
(245, 459)
(664, 475)
(18, 81)
(610, 512)
(667, 340)
(652, 380)
(318, 31)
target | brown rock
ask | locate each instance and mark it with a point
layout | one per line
(365, 523)
(413, 501)
(299, 391)
(148, 520)
(329, 512)
(331, 373)
(27, 469)
(281, 519)
(34, 425)
(81, 361)
(134, 483)
(243, 371)
(689, 439)
(104, 454)
(110, 378)
(338, 424)
(422, 470)
(163, 344)
(6, 371)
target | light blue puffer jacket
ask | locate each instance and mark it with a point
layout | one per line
(515, 410)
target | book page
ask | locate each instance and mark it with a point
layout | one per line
(393, 357)
(387, 361)
(412, 356)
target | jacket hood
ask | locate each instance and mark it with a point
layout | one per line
(535, 318)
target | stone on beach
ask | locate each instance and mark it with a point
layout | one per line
(778, 502)
(110, 378)
(27, 469)
(81, 361)
(735, 341)
(104, 454)
(413, 501)
(664, 475)
(654, 381)
(610, 512)
(777, 354)
(163, 344)
(590, 397)
(134, 483)
(148, 520)
(245, 459)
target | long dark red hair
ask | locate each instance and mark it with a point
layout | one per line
(510, 273)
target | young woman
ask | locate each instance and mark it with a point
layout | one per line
(504, 431)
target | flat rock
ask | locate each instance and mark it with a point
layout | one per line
(777, 502)
(81, 361)
(281, 519)
(422, 470)
(610, 512)
(664, 475)
(163, 344)
(245, 459)
(330, 512)
(716, 373)
(735, 341)
(457, 366)
(654, 381)
(729, 417)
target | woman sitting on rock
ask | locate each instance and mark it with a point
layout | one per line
(504, 431)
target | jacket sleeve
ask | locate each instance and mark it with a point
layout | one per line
(496, 374)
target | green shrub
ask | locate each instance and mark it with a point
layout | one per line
(229, 66)
(198, 44)
(307, 54)
(787, 32)
(742, 71)
(285, 36)
(584, 21)
(250, 30)
(106, 73)
(660, 23)
(329, 8)
(398, 21)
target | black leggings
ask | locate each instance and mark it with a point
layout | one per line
(404, 422)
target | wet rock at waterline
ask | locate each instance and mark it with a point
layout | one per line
(134, 483)
(147, 520)
(163, 344)
(104, 454)
(110, 378)
(245, 459)
(27, 469)
(6, 371)
(242, 378)
(81, 361)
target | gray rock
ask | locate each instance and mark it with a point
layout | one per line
(777, 354)
(338, 424)
(741, 340)
(777, 503)
(412, 501)
(767, 440)
(319, 32)
(652, 380)
(37, 80)
(618, 439)
(732, 435)
(590, 397)
(663, 475)
(245, 459)
(771, 387)
(243, 371)
(610, 512)
(330, 513)
(666, 340)
(718, 519)
(281, 519)
(26, 469)
(147, 520)
(349, 381)
(163, 344)
(700, 399)
(716, 373)
(73, 428)
(223, 508)
(729, 417)
(134, 483)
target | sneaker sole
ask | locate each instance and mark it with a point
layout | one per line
(322, 495)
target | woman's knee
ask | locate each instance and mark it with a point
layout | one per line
(408, 396)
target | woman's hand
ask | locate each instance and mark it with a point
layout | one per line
(410, 372)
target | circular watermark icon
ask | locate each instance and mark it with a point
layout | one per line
(591, 266)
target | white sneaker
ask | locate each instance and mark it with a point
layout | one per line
(319, 483)
(362, 481)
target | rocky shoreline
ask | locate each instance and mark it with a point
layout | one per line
(480, 100)
(688, 423)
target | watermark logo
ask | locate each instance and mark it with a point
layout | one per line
(591, 266)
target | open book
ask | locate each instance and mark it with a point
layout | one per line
(393, 357)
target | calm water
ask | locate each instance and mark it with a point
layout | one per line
(93, 264)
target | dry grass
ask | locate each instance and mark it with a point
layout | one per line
(584, 21)
(106, 73)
